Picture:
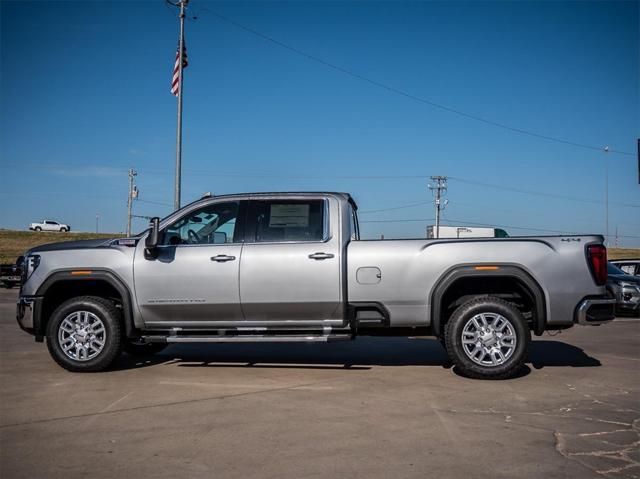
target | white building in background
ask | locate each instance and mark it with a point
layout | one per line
(466, 232)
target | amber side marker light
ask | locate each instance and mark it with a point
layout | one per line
(80, 273)
(486, 268)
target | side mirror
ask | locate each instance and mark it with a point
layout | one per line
(153, 238)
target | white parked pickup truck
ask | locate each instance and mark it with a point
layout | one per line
(49, 225)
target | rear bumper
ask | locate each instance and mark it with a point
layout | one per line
(595, 311)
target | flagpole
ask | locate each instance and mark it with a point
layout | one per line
(176, 199)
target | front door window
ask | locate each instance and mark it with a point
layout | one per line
(211, 224)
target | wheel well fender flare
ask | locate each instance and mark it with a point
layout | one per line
(98, 275)
(456, 273)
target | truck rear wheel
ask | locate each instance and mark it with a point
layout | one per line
(84, 334)
(488, 338)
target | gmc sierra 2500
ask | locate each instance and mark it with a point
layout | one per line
(283, 267)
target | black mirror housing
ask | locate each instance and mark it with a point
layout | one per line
(153, 238)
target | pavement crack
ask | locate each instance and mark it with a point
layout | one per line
(607, 453)
(167, 404)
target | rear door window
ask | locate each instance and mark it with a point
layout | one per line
(287, 220)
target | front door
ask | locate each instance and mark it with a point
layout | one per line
(290, 268)
(193, 281)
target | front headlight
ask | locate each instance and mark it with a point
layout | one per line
(31, 262)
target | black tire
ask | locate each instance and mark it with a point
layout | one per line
(463, 315)
(62, 230)
(38, 229)
(139, 349)
(105, 312)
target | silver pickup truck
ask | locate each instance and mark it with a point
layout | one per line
(283, 267)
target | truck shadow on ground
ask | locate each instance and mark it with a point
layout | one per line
(362, 354)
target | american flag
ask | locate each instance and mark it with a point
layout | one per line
(175, 83)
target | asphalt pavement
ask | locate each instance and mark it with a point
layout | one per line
(372, 408)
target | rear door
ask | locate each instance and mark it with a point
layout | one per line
(290, 267)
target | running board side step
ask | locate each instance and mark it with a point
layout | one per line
(242, 338)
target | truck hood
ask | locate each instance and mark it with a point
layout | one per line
(67, 245)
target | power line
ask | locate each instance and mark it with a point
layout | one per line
(536, 193)
(389, 177)
(473, 223)
(401, 207)
(229, 174)
(407, 220)
(530, 228)
(397, 220)
(411, 96)
(154, 202)
(444, 218)
(398, 177)
(237, 174)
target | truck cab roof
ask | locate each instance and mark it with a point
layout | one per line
(344, 196)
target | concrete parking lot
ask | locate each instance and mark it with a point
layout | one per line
(376, 407)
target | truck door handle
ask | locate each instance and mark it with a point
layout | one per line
(221, 258)
(320, 256)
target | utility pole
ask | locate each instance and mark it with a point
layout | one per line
(606, 195)
(97, 219)
(133, 193)
(440, 188)
(176, 199)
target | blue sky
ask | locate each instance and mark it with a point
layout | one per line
(85, 95)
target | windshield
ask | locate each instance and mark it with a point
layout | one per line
(613, 269)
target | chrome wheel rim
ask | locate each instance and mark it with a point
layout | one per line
(489, 339)
(82, 335)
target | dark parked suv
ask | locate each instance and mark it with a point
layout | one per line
(626, 289)
(628, 266)
(11, 274)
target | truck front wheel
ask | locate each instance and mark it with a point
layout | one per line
(488, 338)
(84, 334)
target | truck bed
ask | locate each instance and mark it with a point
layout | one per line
(411, 269)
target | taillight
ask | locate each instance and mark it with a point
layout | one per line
(597, 255)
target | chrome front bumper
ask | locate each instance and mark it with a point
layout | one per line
(593, 312)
